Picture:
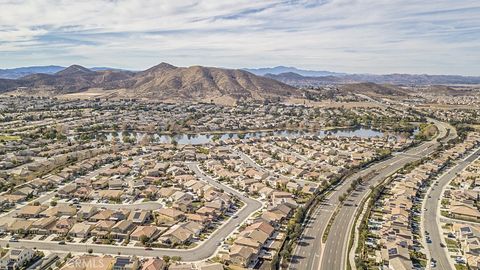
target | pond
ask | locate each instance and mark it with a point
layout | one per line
(206, 138)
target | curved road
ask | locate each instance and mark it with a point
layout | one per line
(203, 251)
(310, 252)
(336, 247)
(431, 217)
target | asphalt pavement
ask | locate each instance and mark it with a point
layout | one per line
(203, 251)
(310, 252)
(431, 214)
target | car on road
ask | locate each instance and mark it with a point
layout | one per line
(62, 243)
(13, 239)
(442, 245)
(148, 248)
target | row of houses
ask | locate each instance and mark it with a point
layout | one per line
(393, 221)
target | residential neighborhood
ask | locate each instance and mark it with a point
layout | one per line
(115, 184)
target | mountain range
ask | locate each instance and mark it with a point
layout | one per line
(161, 82)
(15, 73)
(301, 77)
(283, 69)
(298, 80)
(290, 75)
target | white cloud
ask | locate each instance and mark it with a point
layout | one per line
(353, 36)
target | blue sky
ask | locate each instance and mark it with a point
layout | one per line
(362, 36)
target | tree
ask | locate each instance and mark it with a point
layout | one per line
(144, 239)
(166, 258)
(90, 251)
(53, 203)
(285, 254)
(342, 198)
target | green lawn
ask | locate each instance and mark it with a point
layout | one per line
(452, 243)
(9, 138)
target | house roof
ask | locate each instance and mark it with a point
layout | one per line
(80, 228)
(242, 251)
(154, 264)
(31, 210)
(262, 226)
(170, 212)
(90, 262)
(123, 225)
(148, 231)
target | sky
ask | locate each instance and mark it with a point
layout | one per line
(356, 36)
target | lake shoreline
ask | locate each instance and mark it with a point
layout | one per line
(209, 137)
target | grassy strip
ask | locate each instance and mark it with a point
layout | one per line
(285, 251)
(352, 233)
(6, 138)
(329, 225)
(374, 195)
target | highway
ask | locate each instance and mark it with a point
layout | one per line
(431, 217)
(203, 251)
(310, 252)
(336, 246)
(312, 234)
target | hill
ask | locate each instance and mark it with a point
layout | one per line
(15, 73)
(299, 80)
(373, 89)
(161, 82)
(283, 69)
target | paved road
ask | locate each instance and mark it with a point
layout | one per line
(431, 216)
(336, 247)
(252, 205)
(310, 253)
(335, 253)
(49, 195)
(203, 251)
